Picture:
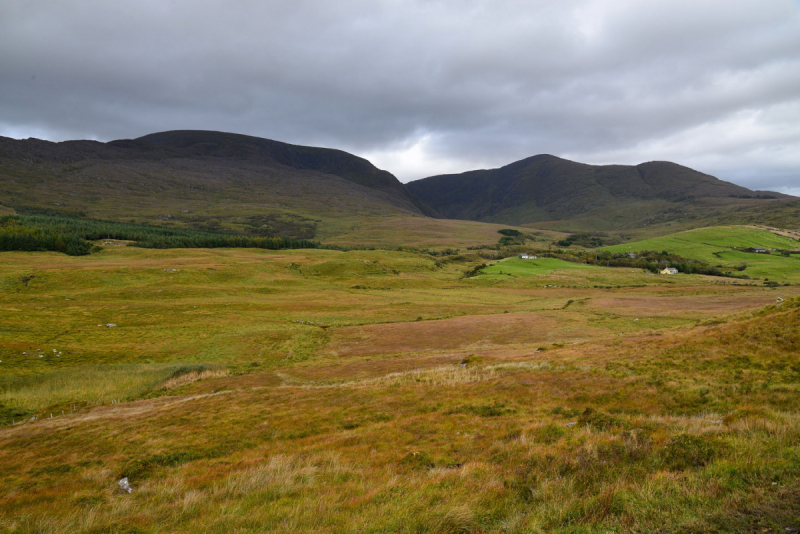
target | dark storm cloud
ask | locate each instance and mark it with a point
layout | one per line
(422, 87)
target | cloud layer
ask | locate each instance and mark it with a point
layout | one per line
(422, 87)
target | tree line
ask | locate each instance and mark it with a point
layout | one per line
(75, 235)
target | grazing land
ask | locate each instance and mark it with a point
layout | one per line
(312, 390)
(727, 247)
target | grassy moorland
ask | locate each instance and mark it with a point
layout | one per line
(426, 232)
(245, 390)
(726, 247)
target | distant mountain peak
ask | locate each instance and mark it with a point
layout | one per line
(545, 187)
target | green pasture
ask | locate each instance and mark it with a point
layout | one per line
(725, 246)
(518, 267)
(548, 272)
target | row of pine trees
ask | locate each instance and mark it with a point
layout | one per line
(74, 235)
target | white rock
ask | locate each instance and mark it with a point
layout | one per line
(125, 486)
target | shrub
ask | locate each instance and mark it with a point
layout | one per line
(686, 450)
(548, 434)
(471, 361)
(485, 410)
(11, 414)
(599, 420)
(475, 271)
(509, 232)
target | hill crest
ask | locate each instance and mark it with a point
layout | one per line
(548, 188)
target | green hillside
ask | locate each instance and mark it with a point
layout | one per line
(725, 246)
(517, 267)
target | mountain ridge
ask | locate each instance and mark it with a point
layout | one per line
(205, 180)
(221, 145)
(244, 184)
(546, 188)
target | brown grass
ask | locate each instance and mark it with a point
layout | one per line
(372, 425)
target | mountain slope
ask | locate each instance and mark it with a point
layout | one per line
(205, 179)
(547, 188)
(236, 147)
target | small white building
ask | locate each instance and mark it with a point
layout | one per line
(527, 257)
(670, 270)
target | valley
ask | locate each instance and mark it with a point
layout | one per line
(320, 390)
(261, 336)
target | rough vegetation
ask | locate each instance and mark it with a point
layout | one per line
(244, 390)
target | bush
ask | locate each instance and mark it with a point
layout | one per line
(11, 414)
(686, 450)
(508, 241)
(548, 434)
(509, 232)
(599, 420)
(475, 271)
(485, 410)
(471, 361)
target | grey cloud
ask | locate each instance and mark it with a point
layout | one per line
(707, 83)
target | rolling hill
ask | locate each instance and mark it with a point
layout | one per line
(248, 185)
(727, 247)
(203, 179)
(575, 196)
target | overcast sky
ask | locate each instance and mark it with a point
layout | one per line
(422, 87)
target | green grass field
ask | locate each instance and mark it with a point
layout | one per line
(247, 390)
(725, 246)
(517, 267)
